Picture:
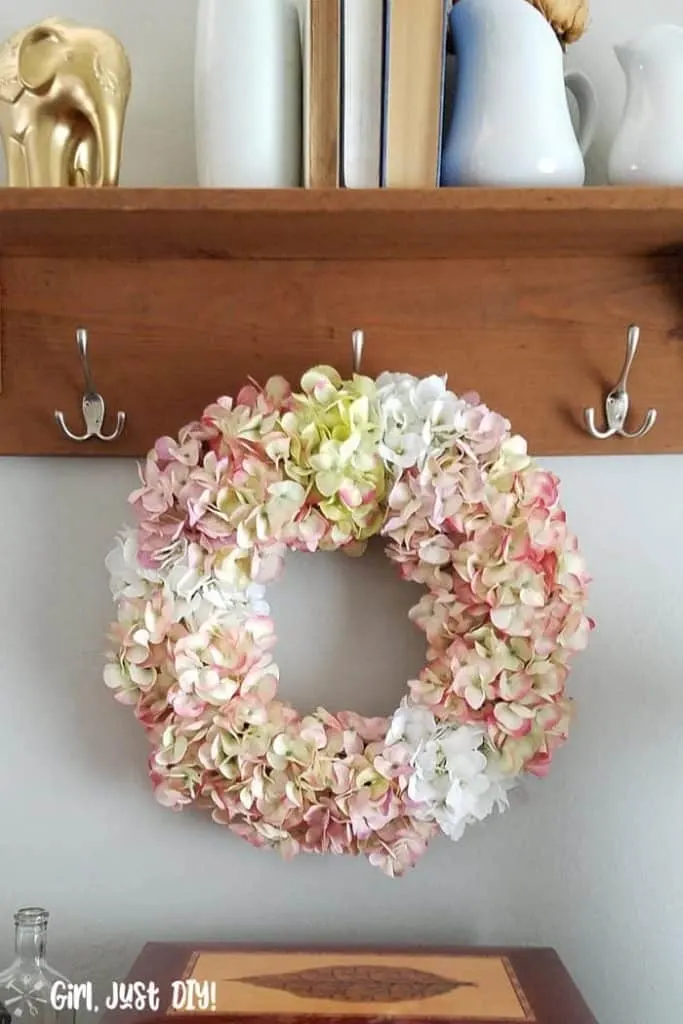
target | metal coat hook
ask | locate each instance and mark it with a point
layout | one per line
(357, 343)
(92, 403)
(617, 402)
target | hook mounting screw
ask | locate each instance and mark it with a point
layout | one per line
(617, 402)
(92, 403)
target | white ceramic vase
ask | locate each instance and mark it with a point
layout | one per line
(510, 123)
(248, 94)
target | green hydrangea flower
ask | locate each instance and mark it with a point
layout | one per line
(334, 432)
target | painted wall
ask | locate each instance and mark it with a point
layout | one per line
(589, 863)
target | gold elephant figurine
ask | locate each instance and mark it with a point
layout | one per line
(64, 92)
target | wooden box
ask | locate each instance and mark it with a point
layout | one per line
(203, 983)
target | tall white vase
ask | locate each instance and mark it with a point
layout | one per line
(248, 94)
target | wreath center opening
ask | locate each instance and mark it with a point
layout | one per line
(343, 636)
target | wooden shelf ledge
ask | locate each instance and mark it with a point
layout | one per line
(523, 296)
(338, 224)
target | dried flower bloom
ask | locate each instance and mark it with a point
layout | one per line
(568, 18)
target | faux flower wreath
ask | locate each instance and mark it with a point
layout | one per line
(465, 512)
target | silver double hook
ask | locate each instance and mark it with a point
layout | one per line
(92, 403)
(617, 402)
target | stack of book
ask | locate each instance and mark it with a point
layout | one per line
(373, 92)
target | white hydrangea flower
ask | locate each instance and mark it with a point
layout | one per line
(127, 578)
(418, 416)
(453, 783)
(195, 596)
(411, 724)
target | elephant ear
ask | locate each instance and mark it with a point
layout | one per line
(40, 54)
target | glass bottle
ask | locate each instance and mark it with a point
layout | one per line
(26, 985)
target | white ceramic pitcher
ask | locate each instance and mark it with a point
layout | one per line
(648, 147)
(511, 123)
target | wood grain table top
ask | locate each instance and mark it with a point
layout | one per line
(233, 984)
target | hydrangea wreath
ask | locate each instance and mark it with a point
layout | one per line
(465, 512)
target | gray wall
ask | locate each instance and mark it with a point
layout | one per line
(589, 861)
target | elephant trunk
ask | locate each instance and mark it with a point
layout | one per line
(108, 124)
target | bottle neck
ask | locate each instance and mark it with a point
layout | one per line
(30, 941)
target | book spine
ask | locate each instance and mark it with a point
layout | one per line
(306, 104)
(341, 129)
(442, 104)
(385, 94)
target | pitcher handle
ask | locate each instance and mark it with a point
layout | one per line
(581, 88)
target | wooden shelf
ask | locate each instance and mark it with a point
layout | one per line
(524, 296)
(338, 224)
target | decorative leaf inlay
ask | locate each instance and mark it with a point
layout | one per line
(360, 983)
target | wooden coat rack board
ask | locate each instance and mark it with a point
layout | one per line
(523, 296)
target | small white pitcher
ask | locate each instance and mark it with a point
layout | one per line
(648, 148)
(511, 124)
